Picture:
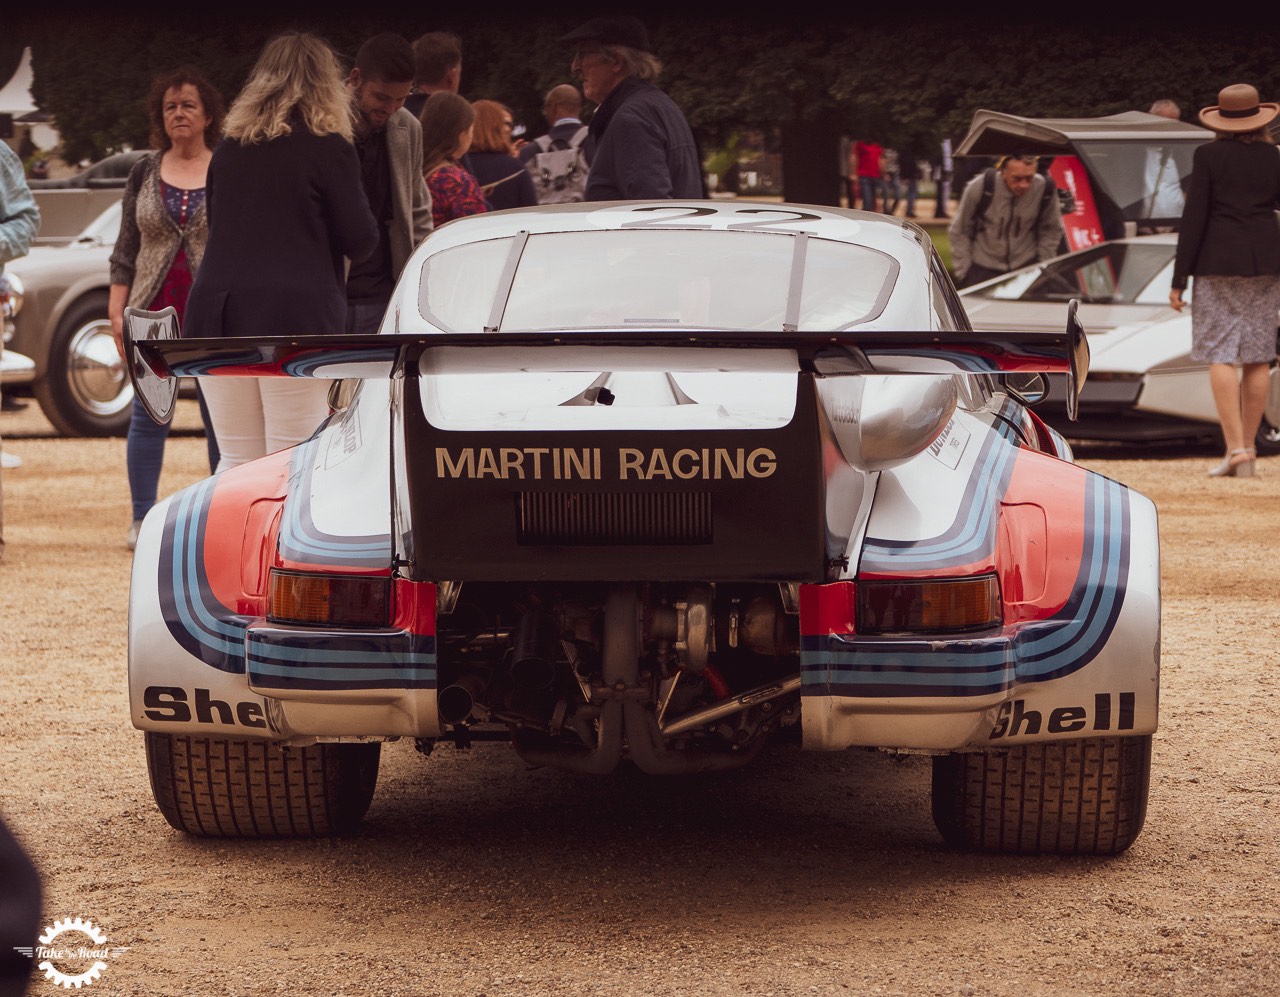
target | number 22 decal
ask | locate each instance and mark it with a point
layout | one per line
(691, 212)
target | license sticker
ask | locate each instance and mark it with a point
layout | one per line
(948, 448)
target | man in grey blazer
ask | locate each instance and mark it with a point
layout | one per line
(389, 142)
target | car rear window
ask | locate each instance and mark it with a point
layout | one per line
(656, 279)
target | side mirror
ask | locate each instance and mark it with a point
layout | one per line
(156, 389)
(1027, 388)
(1078, 350)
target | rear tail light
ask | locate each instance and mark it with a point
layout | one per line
(928, 606)
(329, 600)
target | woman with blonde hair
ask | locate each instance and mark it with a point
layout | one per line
(286, 208)
(503, 179)
(447, 125)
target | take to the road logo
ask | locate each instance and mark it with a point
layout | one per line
(72, 952)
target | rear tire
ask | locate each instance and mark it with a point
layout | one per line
(220, 788)
(1080, 797)
(1267, 441)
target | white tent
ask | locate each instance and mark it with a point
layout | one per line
(15, 99)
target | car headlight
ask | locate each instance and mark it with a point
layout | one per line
(328, 600)
(11, 294)
(928, 605)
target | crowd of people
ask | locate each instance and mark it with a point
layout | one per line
(295, 211)
(883, 178)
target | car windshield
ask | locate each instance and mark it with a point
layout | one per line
(655, 279)
(105, 228)
(1114, 273)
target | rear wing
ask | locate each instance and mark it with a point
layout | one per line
(157, 357)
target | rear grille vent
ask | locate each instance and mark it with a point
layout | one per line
(597, 519)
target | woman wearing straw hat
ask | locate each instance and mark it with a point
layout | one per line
(1230, 242)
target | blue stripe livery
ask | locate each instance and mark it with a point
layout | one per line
(839, 665)
(971, 537)
(303, 542)
(276, 657)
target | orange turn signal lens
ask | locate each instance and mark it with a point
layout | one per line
(329, 600)
(928, 606)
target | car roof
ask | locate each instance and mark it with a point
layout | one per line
(868, 228)
(895, 238)
(994, 133)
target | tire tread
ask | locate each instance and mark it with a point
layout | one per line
(1078, 797)
(217, 787)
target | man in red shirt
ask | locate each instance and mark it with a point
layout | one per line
(869, 178)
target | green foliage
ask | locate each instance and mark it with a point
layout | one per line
(907, 81)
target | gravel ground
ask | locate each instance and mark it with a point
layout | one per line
(805, 874)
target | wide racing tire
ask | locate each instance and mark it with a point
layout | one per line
(220, 788)
(1078, 797)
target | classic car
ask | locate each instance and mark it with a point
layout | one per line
(662, 485)
(58, 317)
(69, 204)
(1142, 385)
(1125, 172)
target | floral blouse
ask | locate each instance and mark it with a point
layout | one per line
(454, 194)
(180, 205)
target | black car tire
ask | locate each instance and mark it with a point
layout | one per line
(221, 788)
(85, 390)
(1080, 797)
(1267, 442)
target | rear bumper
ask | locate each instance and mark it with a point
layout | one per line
(16, 369)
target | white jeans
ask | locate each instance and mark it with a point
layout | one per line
(255, 416)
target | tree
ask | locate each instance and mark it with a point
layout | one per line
(808, 79)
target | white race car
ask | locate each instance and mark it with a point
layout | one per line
(655, 484)
(1143, 384)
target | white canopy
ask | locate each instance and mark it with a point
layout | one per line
(15, 99)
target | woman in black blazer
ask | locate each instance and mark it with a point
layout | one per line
(286, 209)
(1229, 240)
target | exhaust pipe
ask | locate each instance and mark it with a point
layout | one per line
(455, 702)
(534, 652)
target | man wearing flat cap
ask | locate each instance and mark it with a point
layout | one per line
(643, 145)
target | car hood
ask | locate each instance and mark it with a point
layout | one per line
(1142, 347)
(1099, 320)
(1122, 338)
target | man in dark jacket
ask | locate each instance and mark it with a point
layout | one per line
(388, 140)
(643, 145)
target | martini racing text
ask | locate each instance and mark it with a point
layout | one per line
(603, 464)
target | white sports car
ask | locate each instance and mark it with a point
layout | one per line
(1143, 384)
(654, 484)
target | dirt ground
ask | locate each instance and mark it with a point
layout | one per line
(806, 874)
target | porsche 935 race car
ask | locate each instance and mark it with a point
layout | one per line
(655, 484)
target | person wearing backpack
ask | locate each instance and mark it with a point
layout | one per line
(559, 160)
(1009, 217)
